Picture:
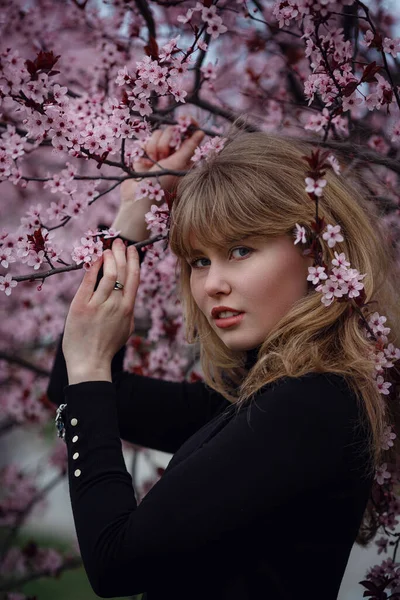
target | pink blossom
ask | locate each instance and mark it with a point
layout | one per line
(110, 233)
(351, 102)
(300, 234)
(157, 218)
(7, 283)
(382, 544)
(148, 189)
(19, 488)
(179, 95)
(368, 37)
(382, 386)
(185, 18)
(216, 144)
(376, 323)
(391, 46)
(60, 93)
(202, 45)
(387, 438)
(215, 27)
(334, 163)
(47, 560)
(354, 284)
(340, 260)
(396, 132)
(330, 290)
(382, 474)
(317, 122)
(316, 274)
(123, 76)
(209, 71)
(377, 143)
(209, 14)
(332, 234)
(14, 563)
(141, 106)
(166, 50)
(392, 353)
(35, 259)
(315, 187)
(6, 257)
(285, 12)
(179, 67)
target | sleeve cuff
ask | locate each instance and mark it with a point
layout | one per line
(91, 410)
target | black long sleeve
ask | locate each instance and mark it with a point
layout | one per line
(212, 525)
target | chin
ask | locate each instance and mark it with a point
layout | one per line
(241, 345)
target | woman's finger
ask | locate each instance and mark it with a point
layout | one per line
(119, 251)
(86, 288)
(163, 143)
(152, 144)
(182, 156)
(108, 280)
(132, 276)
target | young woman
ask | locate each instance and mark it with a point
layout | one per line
(274, 454)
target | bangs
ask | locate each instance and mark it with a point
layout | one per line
(216, 211)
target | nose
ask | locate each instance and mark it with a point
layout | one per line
(216, 282)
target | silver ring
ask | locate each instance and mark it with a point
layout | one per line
(118, 286)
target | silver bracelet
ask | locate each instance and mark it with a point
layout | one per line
(59, 421)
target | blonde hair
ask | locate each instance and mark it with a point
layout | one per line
(255, 186)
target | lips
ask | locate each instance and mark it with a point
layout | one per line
(220, 309)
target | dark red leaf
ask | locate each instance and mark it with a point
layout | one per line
(30, 66)
(152, 48)
(207, 3)
(369, 72)
(349, 88)
(45, 61)
(376, 42)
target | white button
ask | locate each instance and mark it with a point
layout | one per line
(75, 438)
(74, 422)
(75, 456)
(77, 473)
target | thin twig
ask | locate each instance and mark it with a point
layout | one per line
(43, 275)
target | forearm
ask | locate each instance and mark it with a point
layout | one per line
(129, 220)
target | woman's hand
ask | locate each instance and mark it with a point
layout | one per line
(159, 151)
(100, 322)
(130, 219)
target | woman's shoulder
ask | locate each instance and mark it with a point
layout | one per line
(322, 391)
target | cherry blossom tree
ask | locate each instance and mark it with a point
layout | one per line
(83, 84)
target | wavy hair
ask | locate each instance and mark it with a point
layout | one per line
(255, 186)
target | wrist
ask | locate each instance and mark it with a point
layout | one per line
(79, 374)
(130, 222)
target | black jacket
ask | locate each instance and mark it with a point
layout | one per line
(263, 504)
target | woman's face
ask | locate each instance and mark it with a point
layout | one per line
(261, 279)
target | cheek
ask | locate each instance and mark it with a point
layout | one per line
(280, 282)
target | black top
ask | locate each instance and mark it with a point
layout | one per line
(265, 503)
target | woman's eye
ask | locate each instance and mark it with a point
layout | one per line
(239, 250)
(195, 263)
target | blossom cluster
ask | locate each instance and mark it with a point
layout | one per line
(345, 282)
(209, 17)
(31, 559)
